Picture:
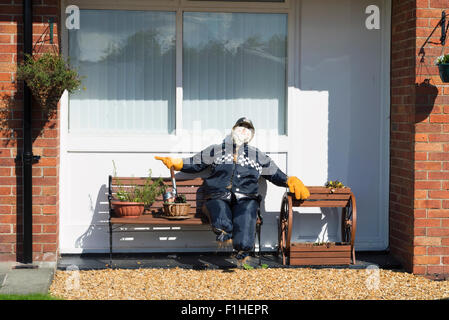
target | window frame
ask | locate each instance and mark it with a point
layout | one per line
(148, 142)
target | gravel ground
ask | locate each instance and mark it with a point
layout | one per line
(267, 284)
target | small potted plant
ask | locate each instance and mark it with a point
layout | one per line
(334, 184)
(131, 201)
(178, 208)
(443, 66)
(47, 76)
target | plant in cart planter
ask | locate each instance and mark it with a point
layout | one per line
(130, 201)
(443, 66)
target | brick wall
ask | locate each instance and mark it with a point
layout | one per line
(431, 237)
(402, 131)
(419, 198)
(45, 138)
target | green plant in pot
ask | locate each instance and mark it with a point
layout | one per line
(47, 76)
(131, 201)
(443, 66)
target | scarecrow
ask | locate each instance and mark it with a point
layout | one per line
(232, 187)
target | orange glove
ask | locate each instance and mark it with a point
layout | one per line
(171, 162)
(298, 188)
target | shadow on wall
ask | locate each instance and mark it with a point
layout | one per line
(97, 232)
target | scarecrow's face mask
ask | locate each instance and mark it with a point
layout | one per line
(241, 135)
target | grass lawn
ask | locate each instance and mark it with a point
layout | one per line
(33, 296)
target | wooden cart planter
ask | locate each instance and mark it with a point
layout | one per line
(297, 253)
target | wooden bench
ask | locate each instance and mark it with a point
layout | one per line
(297, 253)
(191, 188)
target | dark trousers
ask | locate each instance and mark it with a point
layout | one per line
(237, 218)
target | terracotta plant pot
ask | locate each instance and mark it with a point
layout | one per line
(128, 209)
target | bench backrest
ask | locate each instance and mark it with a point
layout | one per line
(325, 197)
(191, 188)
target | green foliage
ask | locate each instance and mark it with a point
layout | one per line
(442, 59)
(334, 184)
(247, 267)
(33, 296)
(146, 193)
(47, 77)
(180, 198)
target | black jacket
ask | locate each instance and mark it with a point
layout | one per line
(240, 176)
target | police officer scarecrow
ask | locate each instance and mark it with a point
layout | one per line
(232, 187)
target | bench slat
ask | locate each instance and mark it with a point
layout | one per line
(151, 220)
(320, 204)
(167, 181)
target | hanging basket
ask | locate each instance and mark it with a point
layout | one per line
(444, 72)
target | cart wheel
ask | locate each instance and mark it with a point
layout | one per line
(350, 225)
(283, 229)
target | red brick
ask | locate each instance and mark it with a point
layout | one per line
(5, 191)
(439, 194)
(49, 229)
(419, 250)
(6, 248)
(438, 175)
(438, 250)
(438, 4)
(427, 241)
(44, 238)
(438, 232)
(5, 228)
(49, 209)
(421, 146)
(426, 260)
(427, 222)
(427, 165)
(442, 213)
(7, 238)
(429, 204)
(426, 185)
(439, 118)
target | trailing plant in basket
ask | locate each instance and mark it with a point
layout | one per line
(442, 59)
(48, 76)
(443, 67)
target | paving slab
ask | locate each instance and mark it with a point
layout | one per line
(201, 261)
(26, 281)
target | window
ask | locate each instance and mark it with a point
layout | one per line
(233, 65)
(129, 60)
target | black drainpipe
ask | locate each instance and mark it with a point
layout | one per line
(27, 155)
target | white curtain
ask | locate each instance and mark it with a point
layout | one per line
(234, 65)
(128, 58)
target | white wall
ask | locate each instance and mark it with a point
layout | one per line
(342, 113)
(337, 129)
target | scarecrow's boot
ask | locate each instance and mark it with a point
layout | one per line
(244, 259)
(224, 239)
